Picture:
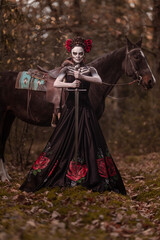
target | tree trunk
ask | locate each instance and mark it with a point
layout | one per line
(77, 16)
(1, 28)
(156, 33)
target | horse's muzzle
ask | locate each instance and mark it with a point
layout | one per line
(148, 82)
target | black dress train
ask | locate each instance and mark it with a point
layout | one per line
(55, 166)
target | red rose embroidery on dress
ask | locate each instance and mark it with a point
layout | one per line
(81, 171)
(53, 168)
(102, 168)
(41, 162)
(111, 167)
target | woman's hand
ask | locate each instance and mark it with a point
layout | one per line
(77, 75)
(76, 84)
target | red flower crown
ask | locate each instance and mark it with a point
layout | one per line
(86, 44)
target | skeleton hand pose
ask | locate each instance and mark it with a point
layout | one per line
(80, 71)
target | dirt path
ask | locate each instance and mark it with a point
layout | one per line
(75, 213)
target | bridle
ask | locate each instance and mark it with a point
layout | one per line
(138, 76)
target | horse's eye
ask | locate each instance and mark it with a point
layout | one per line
(137, 56)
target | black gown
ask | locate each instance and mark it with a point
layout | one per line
(55, 166)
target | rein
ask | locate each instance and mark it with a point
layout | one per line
(121, 84)
(120, 98)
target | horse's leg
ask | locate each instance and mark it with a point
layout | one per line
(3, 174)
(6, 121)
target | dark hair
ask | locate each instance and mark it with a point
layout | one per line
(79, 41)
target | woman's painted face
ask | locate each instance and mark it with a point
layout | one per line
(77, 54)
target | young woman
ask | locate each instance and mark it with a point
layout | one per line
(93, 167)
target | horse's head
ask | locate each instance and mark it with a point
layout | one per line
(136, 66)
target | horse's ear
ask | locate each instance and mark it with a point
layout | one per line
(130, 45)
(139, 43)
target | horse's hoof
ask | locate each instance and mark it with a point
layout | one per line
(5, 179)
(9, 177)
(3, 172)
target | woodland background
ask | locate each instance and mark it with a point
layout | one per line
(34, 32)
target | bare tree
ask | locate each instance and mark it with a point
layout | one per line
(156, 27)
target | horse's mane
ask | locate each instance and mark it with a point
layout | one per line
(108, 60)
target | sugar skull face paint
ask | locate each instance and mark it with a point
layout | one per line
(77, 54)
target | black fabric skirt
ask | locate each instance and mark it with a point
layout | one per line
(56, 165)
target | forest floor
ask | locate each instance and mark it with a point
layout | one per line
(76, 213)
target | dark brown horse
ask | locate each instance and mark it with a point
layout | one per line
(13, 102)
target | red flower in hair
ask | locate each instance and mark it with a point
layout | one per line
(88, 45)
(68, 45)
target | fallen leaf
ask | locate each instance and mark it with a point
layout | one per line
(55, 214)
(43, 211)
(119, 218)
(30, 223)
(149, 231)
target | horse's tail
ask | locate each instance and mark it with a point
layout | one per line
(4, 76)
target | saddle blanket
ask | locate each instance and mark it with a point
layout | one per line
(32, 81)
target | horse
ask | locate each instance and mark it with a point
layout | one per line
(129, 60)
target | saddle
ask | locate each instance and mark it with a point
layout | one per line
(41, 79)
